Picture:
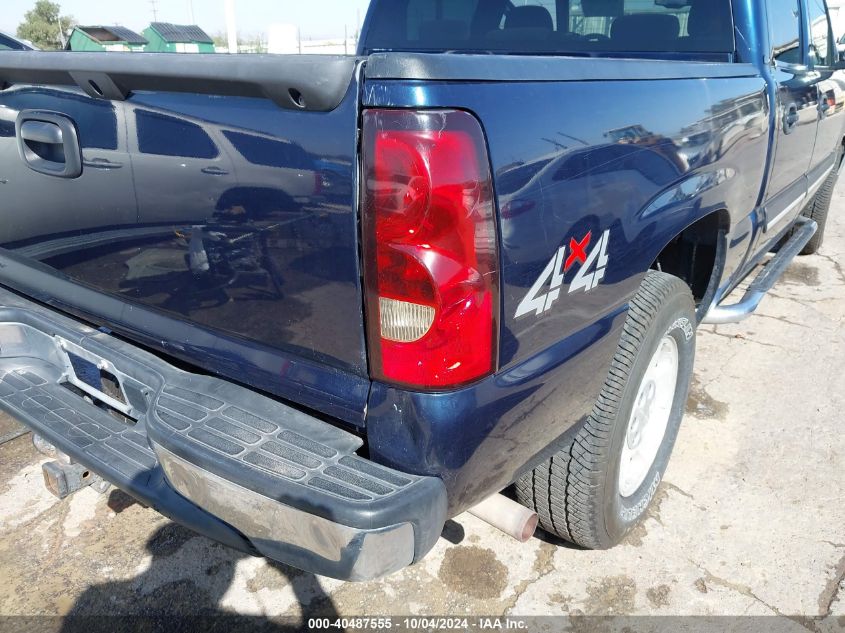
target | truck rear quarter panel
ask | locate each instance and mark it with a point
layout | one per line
(641, 159)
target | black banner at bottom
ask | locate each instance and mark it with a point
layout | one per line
(413, 624)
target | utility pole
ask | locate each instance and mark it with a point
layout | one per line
(357, 28)
(232, 26)
(154, 4)
(191, 11)
(62, 33)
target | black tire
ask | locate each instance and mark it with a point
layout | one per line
(577, 492)
(818, 208)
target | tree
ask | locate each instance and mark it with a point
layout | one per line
(44, 25)
(253, 43)
(220, 39)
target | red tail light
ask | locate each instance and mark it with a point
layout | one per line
(430, 254)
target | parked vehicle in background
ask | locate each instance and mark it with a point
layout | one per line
(312, 307)
(9, 43)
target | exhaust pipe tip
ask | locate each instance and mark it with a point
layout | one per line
(530, 528)
(507, 516)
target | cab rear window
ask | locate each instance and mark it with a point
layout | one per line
(553, 26)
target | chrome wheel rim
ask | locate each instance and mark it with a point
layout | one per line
(649, 417)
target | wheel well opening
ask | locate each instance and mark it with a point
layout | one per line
(696, 255)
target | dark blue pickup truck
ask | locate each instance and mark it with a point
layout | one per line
(312, 307)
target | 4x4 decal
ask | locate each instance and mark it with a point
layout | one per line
(539, 301)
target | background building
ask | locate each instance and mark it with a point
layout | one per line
(837, 16)
(105, 38)
(177, 38)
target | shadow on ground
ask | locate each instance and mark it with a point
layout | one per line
(184, 604)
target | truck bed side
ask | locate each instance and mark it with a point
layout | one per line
(570, 161)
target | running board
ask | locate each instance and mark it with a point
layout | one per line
(768, 277)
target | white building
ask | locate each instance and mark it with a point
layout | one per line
(837, 16)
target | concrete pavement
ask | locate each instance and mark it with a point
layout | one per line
(750, 518)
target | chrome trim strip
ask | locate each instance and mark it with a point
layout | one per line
(819, 182)
(808, 194)
(313, 542)
(783, 214)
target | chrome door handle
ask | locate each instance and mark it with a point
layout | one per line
(214, 171)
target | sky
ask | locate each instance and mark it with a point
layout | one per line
(315, 18)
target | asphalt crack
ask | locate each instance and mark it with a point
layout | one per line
(543, 564)
(830, 593)
(671, 486)
(808, 622)
(742, 337)
(785, 298)
(741, 589)
(839, 269)
(746, 591)
(783, 320)
(835, 545)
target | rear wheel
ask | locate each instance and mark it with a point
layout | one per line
(819, 207)
(594, 490)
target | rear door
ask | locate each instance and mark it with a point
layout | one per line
(181, 172)
(796, 119)
(831, 94)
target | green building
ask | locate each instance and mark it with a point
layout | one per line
(105, 38)
(177, 38)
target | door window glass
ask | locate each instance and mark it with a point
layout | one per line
(821, 52)
(8, 44)
(268, 152)
(95, 120)
(785, 30)
(169, 136)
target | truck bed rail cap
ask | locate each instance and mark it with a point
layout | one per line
(296, 82)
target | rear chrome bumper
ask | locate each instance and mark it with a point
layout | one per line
(229, 463)
(282, 532)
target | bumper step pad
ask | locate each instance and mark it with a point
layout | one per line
(26, 395)
(192, 421)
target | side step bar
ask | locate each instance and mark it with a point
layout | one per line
(768, 277)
